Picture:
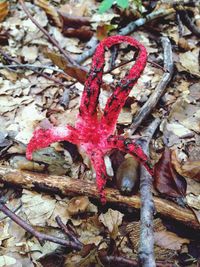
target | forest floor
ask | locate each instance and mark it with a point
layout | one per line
(51, 213)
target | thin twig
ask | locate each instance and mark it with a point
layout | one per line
(29, 66)
(51, 39)
(160, 88)
(40, 236)
(65, 229)
(9, 58)
(129, 61)
(146, 245)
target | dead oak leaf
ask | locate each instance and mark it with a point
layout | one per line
(50, 11)
(30, 53)
(167, 180)
(169, 240)
(187, 114)
(37, 208)
(26, 122)
(74, 71)
(189, 61)
(111, 220)
(189, 168)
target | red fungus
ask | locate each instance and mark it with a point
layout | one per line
(94, 135)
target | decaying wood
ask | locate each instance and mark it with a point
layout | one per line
(68, 186)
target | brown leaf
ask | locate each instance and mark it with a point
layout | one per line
(73, 21)
(77, 72)
(103, 31)
(189, 61)
(52, 259)
(183, 43)
(78, 205)
(189, 169)
(112, 219)
(167, 181)
(78, 8)
(83, 33)
(165, 241)
(76, 26)
(4, 9)
(169, 240)
(50, 11)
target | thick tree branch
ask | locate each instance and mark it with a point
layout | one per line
(68, 186)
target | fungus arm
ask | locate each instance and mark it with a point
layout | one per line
(91, 91)
(101, 175)
(44, 137)
(117, 100)
(128, 146)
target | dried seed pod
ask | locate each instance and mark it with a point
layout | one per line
(127, 176)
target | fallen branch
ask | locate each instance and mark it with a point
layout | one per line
(125, 31)
(160, 88)
(69, 186)
(141, 21)
(41, 237)
(146, 244)
(89, 50)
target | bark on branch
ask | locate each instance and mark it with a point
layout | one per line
(146, 244)
(68, 186)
